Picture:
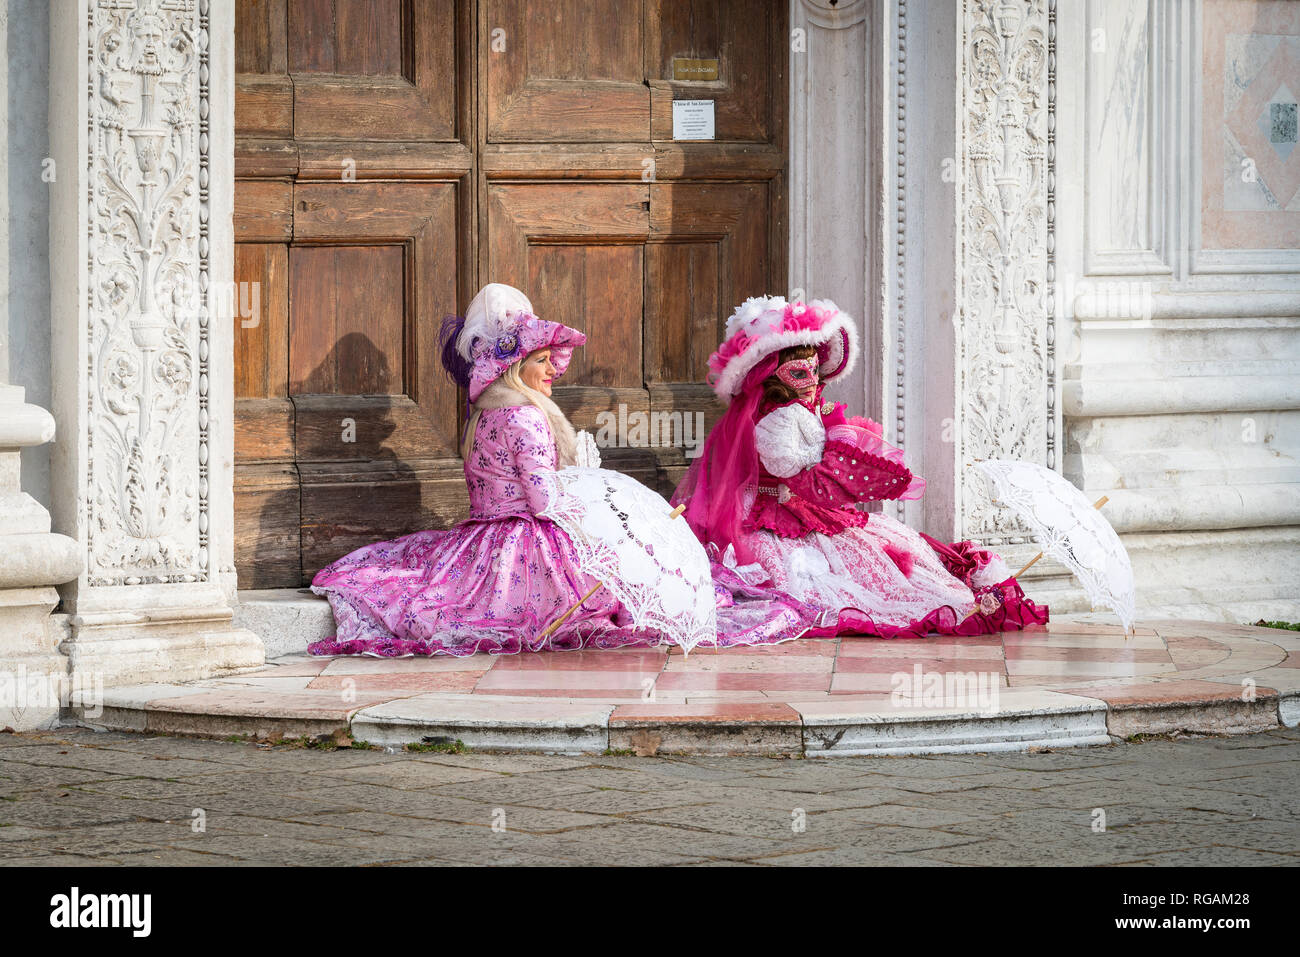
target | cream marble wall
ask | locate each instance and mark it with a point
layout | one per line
(1180, 293)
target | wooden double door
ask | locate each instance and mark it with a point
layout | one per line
(393, 155)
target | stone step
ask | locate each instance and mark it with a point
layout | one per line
(287, 619)
(1071, 683)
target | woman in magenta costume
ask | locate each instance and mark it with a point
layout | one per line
(783, 477)
(494, 582)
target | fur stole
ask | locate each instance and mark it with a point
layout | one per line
(499, 395)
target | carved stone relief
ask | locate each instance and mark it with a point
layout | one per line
(1004, 385)
(147, 312)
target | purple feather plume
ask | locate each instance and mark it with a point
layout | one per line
(457, 366)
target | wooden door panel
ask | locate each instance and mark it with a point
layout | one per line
(564, 71)
(349, 312)
(379, 69)
(393, 155)
(345, 506)
(268, 541)
(709, 251)
(400, 312)
(344, 36)
(579, 249)
(742, 36)
(683, 283)
(597, 290)
(263, 90)
(264, 413)
(261, 301)
(263, 211)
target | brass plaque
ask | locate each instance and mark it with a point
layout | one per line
(687, 69)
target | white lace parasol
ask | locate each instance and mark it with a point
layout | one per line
(1071, 530)
(626, 538)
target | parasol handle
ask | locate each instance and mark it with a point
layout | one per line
(1097, 504)
(559, 621)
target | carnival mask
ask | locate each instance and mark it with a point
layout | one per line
(798, 373)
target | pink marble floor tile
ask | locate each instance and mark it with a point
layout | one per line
(1194, 660)
(891, 665)
(363, 664)
(1086, 669)
(1022, 652)
(1083, 628)
(1292, 660)
(764, 664)
(274, 705)
(587, 660)
(1192, 651)
(933, 645)
(1066, 640)
(888, 683)
(741, 681)
(769, 712)
(295, 666)
(797, 647)
(796, 698)
(531, 682)
(601, 694)
(908, 650)
(1166, 692)
(414, 681)
(1042, 681)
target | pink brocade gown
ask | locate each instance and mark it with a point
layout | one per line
(494, 582)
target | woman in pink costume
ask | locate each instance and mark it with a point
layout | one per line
(494, 582)
(783, 477)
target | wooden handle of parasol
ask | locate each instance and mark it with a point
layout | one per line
(1097, 504)
(559, 621)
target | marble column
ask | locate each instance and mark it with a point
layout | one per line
(141, 120)
(32, 560)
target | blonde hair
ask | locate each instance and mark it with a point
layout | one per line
(512, 378)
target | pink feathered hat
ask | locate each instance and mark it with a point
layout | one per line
(766, 324)
(498, 330)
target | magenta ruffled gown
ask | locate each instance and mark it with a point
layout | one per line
(870, 573)
(494, 582)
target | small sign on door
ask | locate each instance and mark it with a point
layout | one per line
(693, 119)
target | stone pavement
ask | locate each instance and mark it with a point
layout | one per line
(74, 796)
(1071, 682)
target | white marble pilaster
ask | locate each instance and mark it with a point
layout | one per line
(141, 242)
(1005, 376)
(835, 175)
(32, 560)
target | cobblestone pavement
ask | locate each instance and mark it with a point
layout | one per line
(74, 796)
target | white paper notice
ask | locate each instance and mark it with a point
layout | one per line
(692, 119)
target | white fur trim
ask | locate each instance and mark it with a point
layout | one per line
(731, 377)
(789, 440)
